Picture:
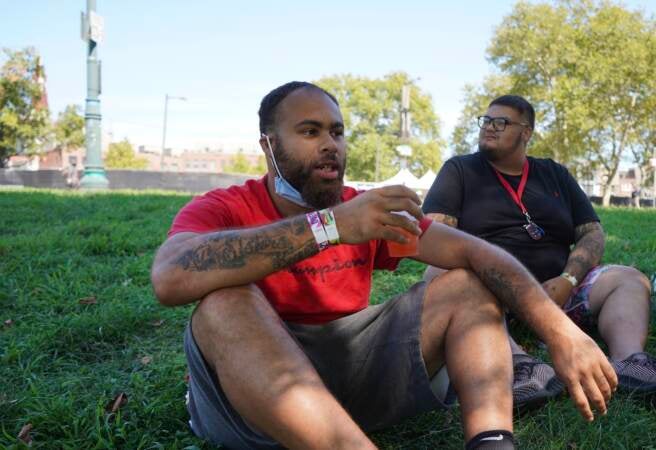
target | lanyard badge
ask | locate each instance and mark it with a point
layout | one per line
(534, 231)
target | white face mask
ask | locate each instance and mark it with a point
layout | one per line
(282, 186)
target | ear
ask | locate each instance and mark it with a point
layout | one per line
(526, 135)
(264, 144)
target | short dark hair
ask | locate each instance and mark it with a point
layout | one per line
(270, 102)
(519, 104)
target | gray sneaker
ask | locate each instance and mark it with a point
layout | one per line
(534, 382)
(637, 373)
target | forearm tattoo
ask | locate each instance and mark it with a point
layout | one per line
(444, 218)
(588, 250)
(233, 249)
(502, 287)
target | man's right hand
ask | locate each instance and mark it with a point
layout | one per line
(584, 368)
(368, 216)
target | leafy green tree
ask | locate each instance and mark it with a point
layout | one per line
(587, 67)
(239, 163)
(69, 128)
(121, 155)
(260, 168)
(372, 116)
(24, 116)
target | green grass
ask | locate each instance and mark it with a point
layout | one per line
(61, 362)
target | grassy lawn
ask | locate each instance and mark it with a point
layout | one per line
(79, 326)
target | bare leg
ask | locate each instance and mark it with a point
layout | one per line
(266, 376)
(434, 272)
(620, 298)
(462, 324)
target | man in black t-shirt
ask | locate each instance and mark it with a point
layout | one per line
(534, 209)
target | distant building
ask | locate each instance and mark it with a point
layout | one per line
(623, 184)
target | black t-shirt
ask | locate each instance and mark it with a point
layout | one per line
(468, 189)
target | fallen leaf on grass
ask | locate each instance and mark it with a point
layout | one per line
(25, 435)
(9, 323)
(146, 360)
(157, 323)
(120, 400)
(88, 301)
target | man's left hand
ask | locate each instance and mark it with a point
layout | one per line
(558, 289)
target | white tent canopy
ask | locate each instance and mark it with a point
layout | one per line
(426, 180)
(404, 177)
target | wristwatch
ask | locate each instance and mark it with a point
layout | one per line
(571, 278)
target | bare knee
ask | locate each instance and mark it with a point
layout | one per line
(640, 278)
(464, 289)
(633, 277)
(226, 315)
(220, 302)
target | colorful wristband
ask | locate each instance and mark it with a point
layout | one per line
(317, 229)
(329, 224)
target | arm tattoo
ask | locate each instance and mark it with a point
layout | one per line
(444, 218)
(588, 250)
(502, 288)
(584, 229)
(232, 249)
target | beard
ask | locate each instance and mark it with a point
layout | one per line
(320, 193)
(495, 154)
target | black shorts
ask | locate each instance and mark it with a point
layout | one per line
(371, 361)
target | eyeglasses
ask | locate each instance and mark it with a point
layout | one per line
(498, 123)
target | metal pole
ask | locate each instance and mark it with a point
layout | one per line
(166, 108)
(94, 171)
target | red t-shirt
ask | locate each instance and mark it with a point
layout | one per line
(331, 284)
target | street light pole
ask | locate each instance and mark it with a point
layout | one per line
(94, 171)
(167, 97)
(653, 165)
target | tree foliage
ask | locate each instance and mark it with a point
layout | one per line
(372, 116)
(121, 155)
(24, 119)
(587, 66)
(240, 164)
(69, 128)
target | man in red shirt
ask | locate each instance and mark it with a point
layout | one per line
(283, 348)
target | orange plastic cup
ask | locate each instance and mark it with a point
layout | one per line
(410, 249)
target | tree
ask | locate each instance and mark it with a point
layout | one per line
(24, 116)
(69, 128)
(121, 156)
(239, 163)
(587, 68)
(372, 116)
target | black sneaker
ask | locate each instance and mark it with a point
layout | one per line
(534, 382)
(637, 373)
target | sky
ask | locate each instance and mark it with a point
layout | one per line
(224, 56)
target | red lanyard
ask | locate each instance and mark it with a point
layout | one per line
(516, 196)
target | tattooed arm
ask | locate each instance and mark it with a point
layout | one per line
(444, 218)
(190, 265)
(588, 250)
(577, 359)
(431, 271)
(587, 253)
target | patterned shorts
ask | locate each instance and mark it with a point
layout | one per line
(577, 306)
